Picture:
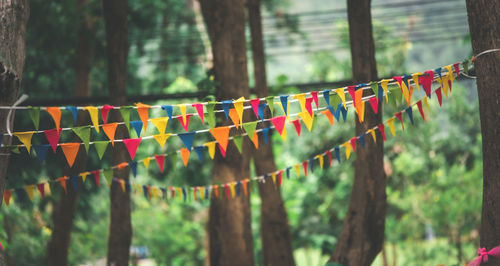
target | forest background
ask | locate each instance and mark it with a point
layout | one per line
(433, 168)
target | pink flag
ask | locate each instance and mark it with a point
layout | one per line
(186, 125)
(296, 124)
(53, 136)
(255, 106)
(199, 110)
(308, 106)
(353, 143)
(279, 123)
(315, 98)
(374, 104)
(132, 145)
(104, 112)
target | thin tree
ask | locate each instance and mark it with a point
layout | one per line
(275, 230)
(484, 25)
(120, 228)
(362, 235)
(64, 211)
(230, 230)
(14, 14)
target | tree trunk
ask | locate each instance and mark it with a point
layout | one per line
(64, 212)
(14, 14)
(230, 229)
(275, 230)
(484, 24)
(120, 228)
(362, 235)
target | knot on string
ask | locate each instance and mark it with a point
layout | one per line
(483, 256)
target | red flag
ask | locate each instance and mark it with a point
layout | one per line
(53, 136)
(255, 106)
(353, 143)
(279, 123)
(96, 174)
(439, 96)
(160, 159)
(374, 104)
(329, 153)
(185, 125)
(304, 165)
(296, 123)
(104, 112)
(41, 189)
(381, 128)
(399, 116)
(132, 145)
(315, 98)
(308, 106)
(420, 110)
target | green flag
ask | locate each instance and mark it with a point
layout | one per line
(374, 86)
(270, 103)
(108, 175)
(249, 128)
(125, 111)
(238, 141)
(210, 117)
(84, 134)
(335, 101)
(35, 115)
(101, 146)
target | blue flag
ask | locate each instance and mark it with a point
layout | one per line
(337, 153)
(74, 182)
(133, 167)
(262, 106)
(288, 172)
(265, 133)
(284, 103)
(187, 138)
(41, 151)
(238, 188)
(225, 107)
(169, 109)
(137, 125)
(409, 111)
(362, 139)
(74, 111)
(326, 96)
(199, 151)
(184, 194)
(20, 193)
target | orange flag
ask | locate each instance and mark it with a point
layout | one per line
(62, 180)
(329, 115)
(221, 134)
(70, 150)
(185, 156)
(233, 114)
(110, 130)
(55, 112)
(255, 140)
(143, 110)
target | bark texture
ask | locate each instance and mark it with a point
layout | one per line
(275, 230)
(64, 212)
(362, 235)
(14, 16)
(230, 230)
(484, 24)
(120, 228)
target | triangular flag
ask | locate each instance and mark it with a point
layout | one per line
(415, 77)
(211, 114)
(265, 134)
(329, 115)
(284, 103)
(255, 140)
(186, 124)
(199, 110)
(238, 141)
(47, 189)
(34, 113)
(133, 167)
(427, 103)
(211, 149)
(262, 107)
(125, 112)
(74, 182)
(41, 189)
(439, 96)
(222, 151)
(381, 128)
(225, 107)
(309, 106)
(55, 112)
(143, 111)
(25, 138)
(420, 109)
(29, 190)
(347, 150)
(337, 153)
(321, 160)
(84, 134)
(185, 156)
(399, 115)
(160, 123)
(359, 99)
(93, 112)
(132, 145)
(169, 109)
(352, 91)
(221, 134)
(100, 147)
(41, 151)
(108, 175)
(238, 105)
(96, 174)
(249, 128)
(426, 81)
(137, 125)
(161, 139)
(383, 84)
(374, 104)
(270, 104)
(374, 135)
(297, 170)
(390, 122)
(304, 166)
(326, 96)
(104, 112)
(340, 92)
(279, 123)
(146, 162)
(362, 140)
(187, 139)
(302, 101)
(409, 111)
(255, 106)
(70, 151)
(296, 124)
(314, 95)
(308, 120)
(353, 143)
(84, 176)
(53, 136)
(62, 181)
(110, 130)
(160, 160)
(199, 151)
(182, 108)
(7, 194)
(361, 111)
(234, 117)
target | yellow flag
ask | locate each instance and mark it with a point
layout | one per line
(146, 162)
(340, 92)
(238, 105)
(308, 120)
(84, 176)
(161, 138)
(302, 100)
(25, 138)
(321, 160)
(182, 107)
(233, 192)
(283, 133)
(427, 103)
(93, 112)
(179, 192)
(390, 122)
(297, 170)
(122, 184)
(202, 192)
(47, 189)
(29, 191)
(348, 148)
(160, 123)
(154, 191)
(374, 136)
(383, 84)
(211, 149)
(415, 79)
(273, 176)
